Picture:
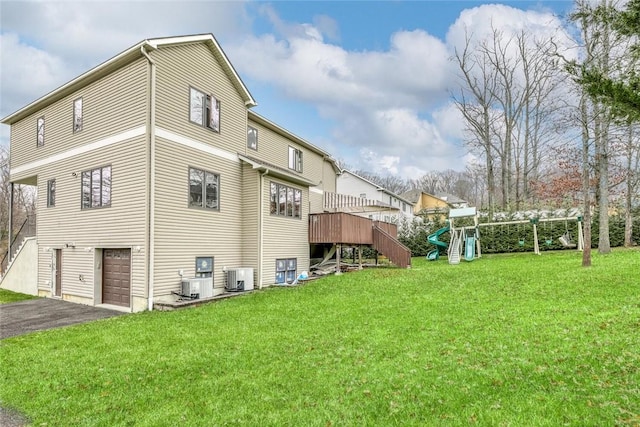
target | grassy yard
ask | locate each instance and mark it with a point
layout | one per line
(9, 296)
(506, 340)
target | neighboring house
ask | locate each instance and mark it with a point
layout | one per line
(425, 203)
(150, 168)
(453, 201)
(388, 207)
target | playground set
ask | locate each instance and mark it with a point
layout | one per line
(464, 241)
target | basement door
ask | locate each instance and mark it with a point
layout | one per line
(57, 272)
(116, 277)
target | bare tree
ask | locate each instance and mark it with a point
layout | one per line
(475, 101)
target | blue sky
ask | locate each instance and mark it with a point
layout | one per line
(370, 82)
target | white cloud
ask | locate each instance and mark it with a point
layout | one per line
(50, 43)
(380, 102)
(30, 72)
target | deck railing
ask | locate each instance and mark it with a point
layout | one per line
(27, 229)
(339, 228)
(390, 247)
(347, 229)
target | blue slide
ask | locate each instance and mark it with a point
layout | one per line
(470, 251)
(433, 239)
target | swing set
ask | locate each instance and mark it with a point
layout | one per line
(566, 239)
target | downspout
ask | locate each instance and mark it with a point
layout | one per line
(11, 189)
(151, 178)
(261, 229)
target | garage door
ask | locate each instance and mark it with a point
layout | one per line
(116, 277)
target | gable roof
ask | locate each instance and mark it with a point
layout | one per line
(257, 118)
(377, 187)
(450, 198)
(128, 56)
(415, 194)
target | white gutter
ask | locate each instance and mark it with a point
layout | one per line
(261, 229)
(152, 178)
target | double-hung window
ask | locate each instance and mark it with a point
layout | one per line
(204, 109)
(295, 159)
(96, 188)
(51, 193)
(40, 131)
(203, 189)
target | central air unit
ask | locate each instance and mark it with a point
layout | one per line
(199, 287)
(239, 279)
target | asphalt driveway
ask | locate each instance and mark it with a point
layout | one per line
(22, 317)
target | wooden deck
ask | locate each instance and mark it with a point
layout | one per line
(340, 228)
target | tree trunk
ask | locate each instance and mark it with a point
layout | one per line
(586, 188)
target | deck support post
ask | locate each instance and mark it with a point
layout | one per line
(359, 257)
(338, 253)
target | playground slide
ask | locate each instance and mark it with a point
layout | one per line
(433, 239)
(470, 250)
(433, 255)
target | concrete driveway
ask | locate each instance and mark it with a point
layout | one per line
(22, 317)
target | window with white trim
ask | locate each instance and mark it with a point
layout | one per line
(40, 125)
(286, 270)
(285, 201)
(203, 189)
(252, 138)
(204, 109)
(77, 115)
(51, 193)
(295, 159)
(96, 188)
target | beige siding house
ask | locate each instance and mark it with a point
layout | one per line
(151, 168)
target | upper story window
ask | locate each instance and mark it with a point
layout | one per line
(96, 188)
(77, 115)
(203, 189)
(363, 195)
(204, 109)
(295, 159)
(51, 193)
(285, 201)
(41, 131)
(252, 138)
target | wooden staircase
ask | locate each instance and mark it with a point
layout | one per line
(390, 247)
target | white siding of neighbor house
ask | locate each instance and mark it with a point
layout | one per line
(354, 186)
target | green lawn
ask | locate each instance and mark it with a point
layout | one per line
(506, 340)
(9, 296)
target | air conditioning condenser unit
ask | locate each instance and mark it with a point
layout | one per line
(198, 287)
(239, 279)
